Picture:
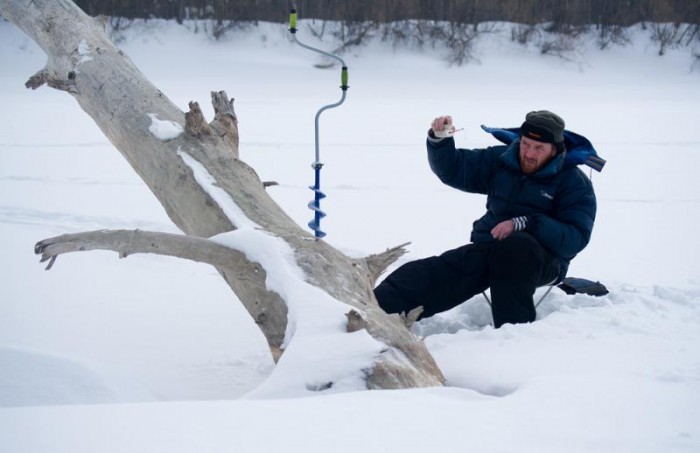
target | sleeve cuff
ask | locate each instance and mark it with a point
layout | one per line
(520, 223)
(432, 138)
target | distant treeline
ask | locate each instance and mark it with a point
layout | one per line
(566, 12)
(552, 26)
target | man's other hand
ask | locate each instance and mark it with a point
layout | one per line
(503, 230)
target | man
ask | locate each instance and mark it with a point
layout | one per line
(540, 214)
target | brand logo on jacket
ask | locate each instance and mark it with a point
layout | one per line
(546, 195)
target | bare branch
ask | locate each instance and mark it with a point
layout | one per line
(379, 262)
(129, 242)
(225, 122)
(195, 124)
(44, 76)
(355, 321)
(265, 307)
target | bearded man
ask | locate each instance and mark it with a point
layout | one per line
(540, 211)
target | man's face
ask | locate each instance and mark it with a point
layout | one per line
(534, 155)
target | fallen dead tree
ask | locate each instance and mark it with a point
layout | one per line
(222, 207)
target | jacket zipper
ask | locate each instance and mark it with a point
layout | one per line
(516, 188)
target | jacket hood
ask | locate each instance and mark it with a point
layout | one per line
(579, 149)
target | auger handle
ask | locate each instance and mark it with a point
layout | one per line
(293, 20)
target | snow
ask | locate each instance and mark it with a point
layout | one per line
(84, 52)
(164, 129)
(316, 323)
(222, 199)
(155, 354)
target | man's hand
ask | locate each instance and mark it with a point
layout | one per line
(503, 230)
(442, 126)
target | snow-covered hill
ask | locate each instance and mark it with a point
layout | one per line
(155, 354)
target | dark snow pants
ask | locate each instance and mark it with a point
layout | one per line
(513, 268)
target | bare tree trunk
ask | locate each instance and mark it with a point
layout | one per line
(123, 103)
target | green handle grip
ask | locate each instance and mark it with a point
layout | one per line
(293, 20)
(344, 77)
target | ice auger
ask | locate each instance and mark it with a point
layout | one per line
(315, 204)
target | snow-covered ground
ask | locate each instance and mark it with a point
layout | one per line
(155, 354)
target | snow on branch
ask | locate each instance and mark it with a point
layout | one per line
(209, 184)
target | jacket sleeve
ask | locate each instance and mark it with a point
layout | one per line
(568, 230)
(463, 169)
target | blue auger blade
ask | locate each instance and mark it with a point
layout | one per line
(318, 192)
(315, 224)
(317, 232)
(315, 204)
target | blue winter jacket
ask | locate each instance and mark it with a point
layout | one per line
(558, 200)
